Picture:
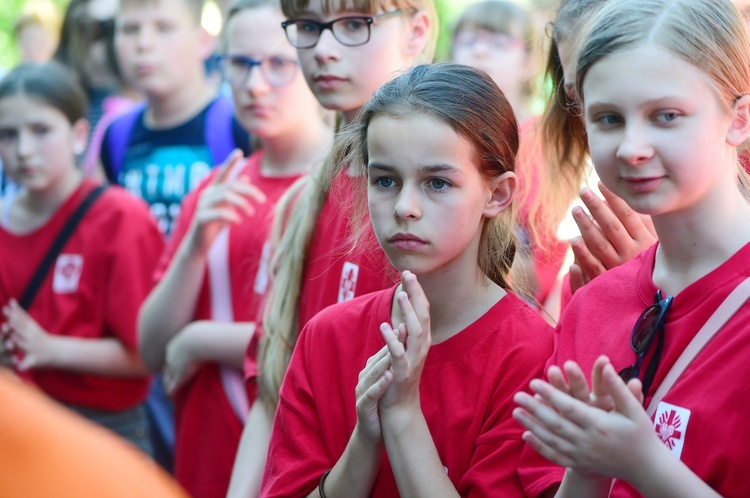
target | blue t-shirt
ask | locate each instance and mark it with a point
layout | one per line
(161, 166)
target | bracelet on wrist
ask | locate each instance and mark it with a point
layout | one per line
(322, 482)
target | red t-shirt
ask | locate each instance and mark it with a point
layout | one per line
(466, 393)
(703, 418)
(93, 291)
(334, 272)
(206, 425)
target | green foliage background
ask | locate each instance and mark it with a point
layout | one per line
(9, 12)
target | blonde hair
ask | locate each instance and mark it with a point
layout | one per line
(241, 5)
(561, 134)
(504, 17)
(39, 12)
(194, 7)
(499, 16)
(296, 219)
(709, 34)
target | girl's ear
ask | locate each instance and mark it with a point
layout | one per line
(80, 136)
(739, 129)
(420, 30)
(501, 194)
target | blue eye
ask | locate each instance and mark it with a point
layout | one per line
(667, 116)
(384, 182)
(40, 129)
(439, 184)
(608, 120)
(307, 26)
(354, 24)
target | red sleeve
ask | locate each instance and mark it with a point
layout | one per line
(297, 455)
(566, 293)
(538, 474)
(136, 244)
(499, 466)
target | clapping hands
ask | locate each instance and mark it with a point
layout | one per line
(389, 383)
(604, 431)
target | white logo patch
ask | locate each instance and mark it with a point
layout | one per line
(670, 424)
(348, 283)
(261, 278)
(68, 269)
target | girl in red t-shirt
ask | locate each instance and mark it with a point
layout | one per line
(77, 339)
(214, 272)
(406, 391)
(665, 92)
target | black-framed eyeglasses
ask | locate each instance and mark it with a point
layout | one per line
(649, 325)
(278, 71)
(350, 31)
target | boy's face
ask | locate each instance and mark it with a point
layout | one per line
(159, 44)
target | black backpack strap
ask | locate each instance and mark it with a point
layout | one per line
(41, 272)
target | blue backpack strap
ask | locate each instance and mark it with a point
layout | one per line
(120, 131)
(218, 129)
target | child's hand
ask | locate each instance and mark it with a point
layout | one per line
(574, 434)
(613, 235)
(7, 351)
(24, 335)
(374, 379)
(222, 202)
(577, 387)
(180, 364)
(408, 355)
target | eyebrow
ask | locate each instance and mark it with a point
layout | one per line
(434, 168)
(647, 103)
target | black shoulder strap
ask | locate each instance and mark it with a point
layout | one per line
(49, 258)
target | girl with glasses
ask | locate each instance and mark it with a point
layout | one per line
(498, 37)
(664, 88)
(408, 391)
(313, 265)
(213, 273)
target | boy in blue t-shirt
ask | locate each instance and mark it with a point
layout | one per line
(162, 150)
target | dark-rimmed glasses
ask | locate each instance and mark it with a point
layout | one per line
(350, 31)
(278, 71)
(649, 325)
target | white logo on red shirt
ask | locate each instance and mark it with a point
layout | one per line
(261, 278)
(671, 424)
(68, 270)
(348, 283)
